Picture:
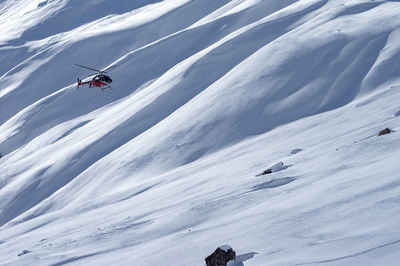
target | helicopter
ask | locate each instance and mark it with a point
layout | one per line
(99, 80)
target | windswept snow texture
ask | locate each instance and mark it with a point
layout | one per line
(162, 169)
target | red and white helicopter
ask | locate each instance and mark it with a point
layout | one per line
(99, 80)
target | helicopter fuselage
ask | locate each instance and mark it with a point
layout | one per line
(99, 80)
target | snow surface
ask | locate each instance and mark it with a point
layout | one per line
(207, 94)
(225, 247)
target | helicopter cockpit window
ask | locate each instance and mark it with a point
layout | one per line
(108, 79)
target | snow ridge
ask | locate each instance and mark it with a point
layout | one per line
(207, 94)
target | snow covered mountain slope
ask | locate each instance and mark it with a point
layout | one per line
(207, 94)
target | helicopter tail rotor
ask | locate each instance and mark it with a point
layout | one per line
(79, 83)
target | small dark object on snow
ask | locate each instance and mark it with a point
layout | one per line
(275, 168)
(221, 256)
(1, 155)
(384, 132)
(296, 151)
(23, 252)
(266, 172)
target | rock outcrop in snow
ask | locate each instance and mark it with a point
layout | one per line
(221, 256)
(384, 131)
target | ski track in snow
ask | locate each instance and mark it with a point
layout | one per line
(207, 95)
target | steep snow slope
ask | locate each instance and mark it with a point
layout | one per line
(207, 94)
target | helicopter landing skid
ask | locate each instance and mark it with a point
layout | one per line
(107, 88)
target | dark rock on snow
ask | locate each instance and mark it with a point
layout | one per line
(384, 132)
(268, 171)
(221, 256)
(275, 168)
(23, 252)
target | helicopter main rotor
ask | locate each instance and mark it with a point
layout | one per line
(97, 70)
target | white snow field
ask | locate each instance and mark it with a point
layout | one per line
(207, 94)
